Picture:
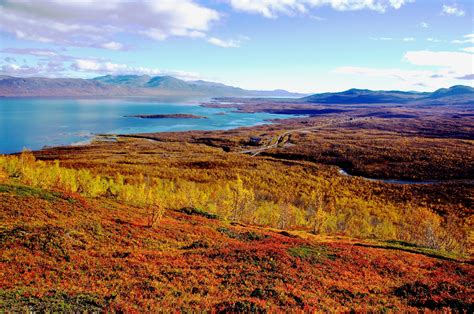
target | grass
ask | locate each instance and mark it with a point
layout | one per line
(26, 191)
(53, 302)
(313, 254)
(418, 249)
(46, 239)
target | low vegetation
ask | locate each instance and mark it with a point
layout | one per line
(82, 254)
(329, 207)
(185, 221)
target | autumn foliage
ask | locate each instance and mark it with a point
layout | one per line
(327, 208)
(185, 222)
(64, 252)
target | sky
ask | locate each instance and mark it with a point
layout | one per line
(298, 45)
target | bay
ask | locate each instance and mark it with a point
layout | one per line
(33, 123)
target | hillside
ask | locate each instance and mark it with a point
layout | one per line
(23, 87)
(123, 85)
(66, 252)
(197, 221)
(456, 94)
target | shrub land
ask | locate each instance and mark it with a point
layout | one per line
(186, 221)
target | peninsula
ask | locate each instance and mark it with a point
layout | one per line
(167, 116)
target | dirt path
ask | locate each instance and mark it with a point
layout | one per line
(281, 140)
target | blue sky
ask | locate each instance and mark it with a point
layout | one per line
(298, 45)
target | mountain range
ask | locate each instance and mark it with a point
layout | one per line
(459, 94)
(125, 85)
(144, 85)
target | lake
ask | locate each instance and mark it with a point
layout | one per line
(37, 122)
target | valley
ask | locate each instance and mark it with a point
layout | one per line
(237, 156)
(213, 219)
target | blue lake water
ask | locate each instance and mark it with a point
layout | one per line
(37, 122)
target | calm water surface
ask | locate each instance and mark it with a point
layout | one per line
(37, 122)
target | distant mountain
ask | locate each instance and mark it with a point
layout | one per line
(40, 86)
(144, 85)
(125, 85)
(452, 91)
(458, 93)
(363, 96)
(124, 80)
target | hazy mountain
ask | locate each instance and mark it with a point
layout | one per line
(39, 86)
(124, 85)
(363, 96)
(124, 80)
(458, 93)
(452, 91)
(144, 85)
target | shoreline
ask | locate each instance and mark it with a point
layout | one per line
(305, 133)
(114, 138)
(182, 101)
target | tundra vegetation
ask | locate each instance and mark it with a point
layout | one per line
(329, 207)
(185, 221)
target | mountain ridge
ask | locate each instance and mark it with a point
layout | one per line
(145, 85)
(124, 85)
(460, 93)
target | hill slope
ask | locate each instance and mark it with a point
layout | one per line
(15, 86)
(123, 85)
(458, 94)
(72, 240)
(64, 252)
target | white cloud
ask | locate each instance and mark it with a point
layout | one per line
(390, 38)
(47, 69)
(424, 25)
(90, 65)
(396, 73)
(59, 65)
(158, 34)
(273, 8)
(452, 10)
(31, 52)
(467, 39)
(98, 67)
(97, 23)
(224, 43)
(381, 38)
(405, 79)
(317, 18)
(453, 60)
(112, 45)
(442, 68)
(433, 40)
(45, 55)
(468, 49)
(397, 4)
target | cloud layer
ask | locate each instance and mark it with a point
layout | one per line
(224, 43)
(273, 8)
(51, 63)
(92, 66)
(453, 10)
(449, 66)
(97, 23)
(459, 62)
